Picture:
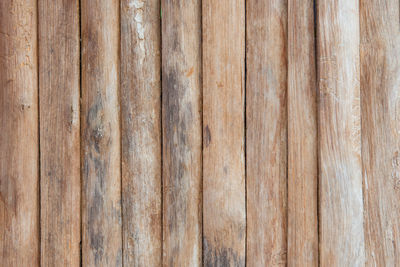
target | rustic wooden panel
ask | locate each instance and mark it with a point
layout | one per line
(224, 210)
(340, 185)
(181, 120)
(380, 72)
(141, 132)
(59, 132)
(100, 122)
(266, 136)
(19, 198)
(302, 136)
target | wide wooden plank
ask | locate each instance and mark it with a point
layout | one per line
(59, 132)
(224, 210)
(266, 136)
(380, 98)
(340, 179)
(141, 132)
(100, 143)
(181, 121)
(19, 194)
(302, 136)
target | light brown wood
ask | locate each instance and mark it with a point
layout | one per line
(60, 182)
(340, 179)
(266, 135)
(224, 210)
(302, 136)
(141, 132)
(100, 134)
(380, 72)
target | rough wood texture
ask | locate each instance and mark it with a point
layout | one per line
(302, 136)
(19, 209)
(380, 72)
(100, 122)
(266, 132)
(340, 184)
(141, 132)
(224, 210)
(60, 182)
(181, 119)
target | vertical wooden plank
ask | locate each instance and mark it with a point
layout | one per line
(224, 210)
(302, 136)
(266, 111)
(101, 177)
(380, 72)
(19, 195)
(181, 120)
(59, 132)
(141, 132)
(340, 185)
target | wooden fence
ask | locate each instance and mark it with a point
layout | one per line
(188, 133)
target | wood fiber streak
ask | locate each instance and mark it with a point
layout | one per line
(266, 135)
(100, 122)
(302, 136)
(380, 95)
(181, 121)
(19, 194)
(340, 179)
(141, 132)
(224, 208)
(59, 132)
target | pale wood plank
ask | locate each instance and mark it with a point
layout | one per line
(224, 210)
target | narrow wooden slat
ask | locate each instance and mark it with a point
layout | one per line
(59, 132)
(224, 210)
(302, 136)
(266, 134)
(380, 72)
(19, 209)
(100, 134)
(340, 184)
(181, 120)
(141, 132)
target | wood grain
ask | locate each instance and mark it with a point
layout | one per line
(19, 194)
(302, 136)
(181, 120)
(224, 210)
(60, 182)
(380, 72)
(266, 135)
(100, 121)
(340, 184)
(141, 132)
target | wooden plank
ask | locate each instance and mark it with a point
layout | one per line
(340, 184)
(302, 136)
(141, 132)
(266, 136)
(380, 72)
(182, 142)
(101, 177)
(19, 194)
(224, 210)
(59, 132)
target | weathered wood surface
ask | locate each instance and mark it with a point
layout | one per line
(182, 143)
(100, 134)
(340, 182)
(141, 132)
(19, 189)
(380, 72)
(266, 136)
(60, 182)
(302, 136)
(224, 210)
